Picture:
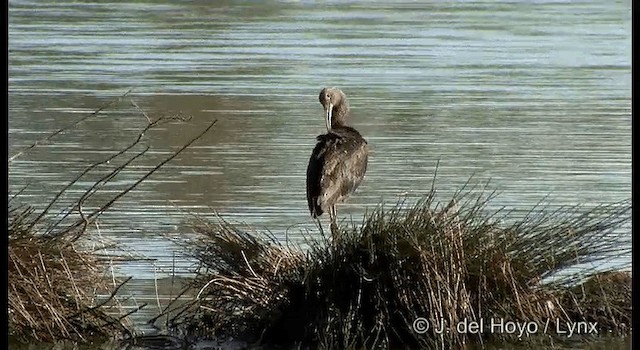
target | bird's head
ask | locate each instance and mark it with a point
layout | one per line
(335, 106)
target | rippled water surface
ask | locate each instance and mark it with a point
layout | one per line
(534, 96)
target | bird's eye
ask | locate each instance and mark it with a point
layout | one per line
(328, 96)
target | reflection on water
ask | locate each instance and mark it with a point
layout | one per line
(534, 96)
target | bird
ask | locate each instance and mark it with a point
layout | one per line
(339, 160)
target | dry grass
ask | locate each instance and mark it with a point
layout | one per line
(446, 264)
(55, 272)
(363, 290)
(53, 288)
(604, 298)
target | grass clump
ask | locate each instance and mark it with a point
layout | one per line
(53, 287)
(58, 284)
(447, 264)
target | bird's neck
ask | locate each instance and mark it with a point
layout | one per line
(339, 115)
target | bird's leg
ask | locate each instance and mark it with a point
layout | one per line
(334, 225)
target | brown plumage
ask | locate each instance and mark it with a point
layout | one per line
(339, 160)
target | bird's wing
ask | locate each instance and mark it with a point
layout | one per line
(345, 163)
(314, 175)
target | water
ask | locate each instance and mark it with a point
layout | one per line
(533, 96)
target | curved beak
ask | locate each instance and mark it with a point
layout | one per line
(329, 111)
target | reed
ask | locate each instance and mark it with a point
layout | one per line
(447, 264)
(54, 286)
(59, 285)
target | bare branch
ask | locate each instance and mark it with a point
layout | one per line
(93, 189)
(61, 130)
(97, 212)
